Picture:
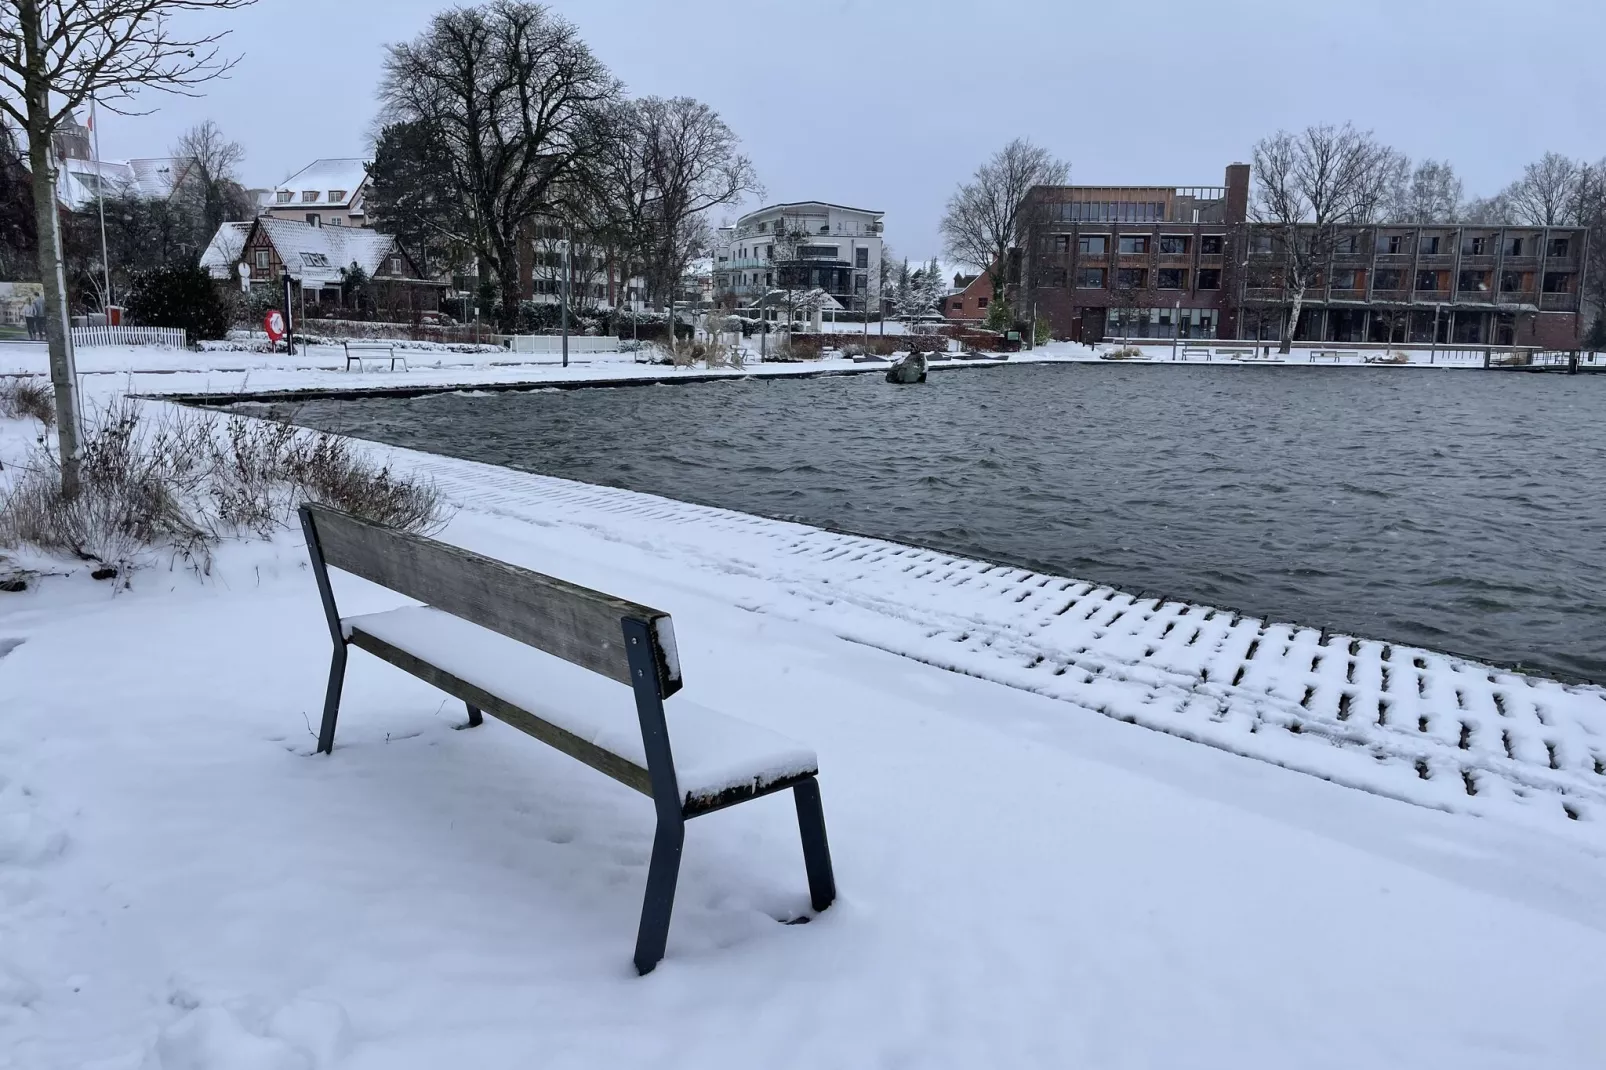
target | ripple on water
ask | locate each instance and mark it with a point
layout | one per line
(1435, 509)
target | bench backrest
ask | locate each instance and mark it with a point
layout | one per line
(574, 623)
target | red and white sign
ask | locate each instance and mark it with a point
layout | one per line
(274, 324)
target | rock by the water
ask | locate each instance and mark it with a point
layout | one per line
(911, 369)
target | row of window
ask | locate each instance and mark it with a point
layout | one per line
(1468, 281)
(310, 196)
(1109, 212)
(1430, 245)
(1138, 244)
(861, 257)
(1097, 278)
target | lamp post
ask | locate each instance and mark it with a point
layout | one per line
(568, 277)
(289, 316)
(1176, 328)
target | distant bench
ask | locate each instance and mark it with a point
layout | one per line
(481, 637)
(1195, 351)
(1335, 355)
(357, 351)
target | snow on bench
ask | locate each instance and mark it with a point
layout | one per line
(549, 657)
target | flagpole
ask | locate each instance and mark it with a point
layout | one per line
(100, 196)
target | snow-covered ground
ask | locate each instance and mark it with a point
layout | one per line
(1025, 878)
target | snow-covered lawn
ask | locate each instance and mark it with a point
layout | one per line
(1024, 880)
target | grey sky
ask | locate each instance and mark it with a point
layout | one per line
(887, 104)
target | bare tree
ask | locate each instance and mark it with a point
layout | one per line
(213, 175)
(1311, 187)
(1428, 193)
(1493, 211)
(513, 92)
(1547, 193)
(983, 218)
(54, 56)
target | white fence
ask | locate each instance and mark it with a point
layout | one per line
(129, 336)
(553, 343)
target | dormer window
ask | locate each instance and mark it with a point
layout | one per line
(336, 196)
(284, 196)
(309, 195)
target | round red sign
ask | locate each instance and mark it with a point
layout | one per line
(274, 324)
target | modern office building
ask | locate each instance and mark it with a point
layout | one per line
(1163, 262)
(804, 245)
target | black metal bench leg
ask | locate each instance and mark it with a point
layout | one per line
(662, 873)
(331, 700)
(475, 719)
(816, 851)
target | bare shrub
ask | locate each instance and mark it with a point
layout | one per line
(21, 398)
(1124, 353)
(181, 482)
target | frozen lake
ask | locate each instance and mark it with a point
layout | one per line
(1462, 511)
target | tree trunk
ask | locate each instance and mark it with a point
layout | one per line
(63, 371)
(1292, 322)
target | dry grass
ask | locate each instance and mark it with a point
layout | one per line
(22, 398)
(180, 483)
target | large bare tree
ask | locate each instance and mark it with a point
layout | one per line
(983, 218)
(212, 179)
(1430, 192)
(513, 92)
(1547, 193)
(54, 56)
(1311, 187)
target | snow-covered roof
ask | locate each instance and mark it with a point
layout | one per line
(314, 255)
(325, 178)
(223, 252)
(79, 181)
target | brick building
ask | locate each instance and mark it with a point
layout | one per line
(969, 304)
(1162, 262)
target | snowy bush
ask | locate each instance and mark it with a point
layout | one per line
(181, 295)
(21, 398)
(181, 483)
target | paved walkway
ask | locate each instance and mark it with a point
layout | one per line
(1399, 721)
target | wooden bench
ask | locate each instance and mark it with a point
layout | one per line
(547, 657)
(356, 351)
(1336, 355)
(1195, 351)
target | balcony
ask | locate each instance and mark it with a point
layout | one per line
(1474, 297)
(1346, 295)
(1558, 302)
(1430, 297)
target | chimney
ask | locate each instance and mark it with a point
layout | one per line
(1237, 193)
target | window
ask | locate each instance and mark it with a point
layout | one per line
(336, 196)
(1260, 243)
(1132, 278)
(1056, 278)
(284, 196)
(314, 218)
(1173, 244)
(262, 260)
(861, 283)
(1093, 244)
(1348, 245)
(1557, 247)
(1513, 282)
(1427, 280)
(769, 252)
(1344, 279)
(1513, 247)
(1430, 245)
(861, 258)
(314, 260)
(308, 196)
(1473, 282)
(336, 221)
(395, 265)
(958, 304)
(1171, 279)
(1090, 278)
(1210, 245)
(1474, 245)
(981, 302)
(1134, 243)
(1209, 278)
(1399, 243)
(1388, 279)
(1558, 282)
(1062, 243)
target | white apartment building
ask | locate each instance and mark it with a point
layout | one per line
(803, 245)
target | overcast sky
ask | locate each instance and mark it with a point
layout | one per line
(888, 104)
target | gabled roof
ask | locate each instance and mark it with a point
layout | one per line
(343, 176)
(78, 181)
(225, 248)
(314, 255)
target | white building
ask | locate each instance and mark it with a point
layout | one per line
(325, 193)
(804, 245)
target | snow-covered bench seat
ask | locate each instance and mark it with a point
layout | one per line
(587, 673)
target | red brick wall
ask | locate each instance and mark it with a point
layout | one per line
(970, 305)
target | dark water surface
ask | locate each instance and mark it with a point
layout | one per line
(1459, 510)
